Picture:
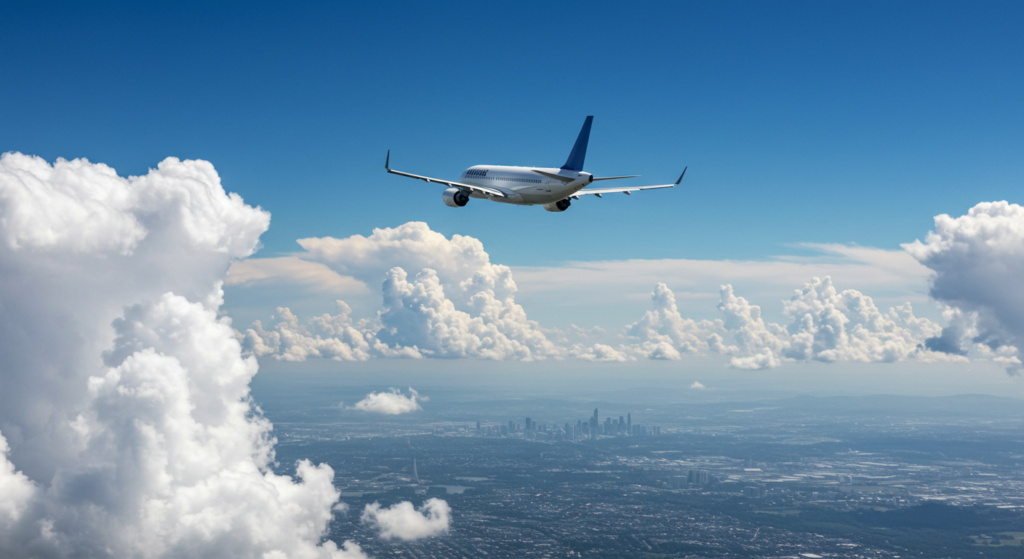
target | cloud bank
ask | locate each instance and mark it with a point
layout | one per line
(443, 298)
(824, 325)
(454, 303)
(597, 291)
(390, 403)
(403, 522)
(125, 423)
(978, 263)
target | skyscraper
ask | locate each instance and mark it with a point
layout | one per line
(629, 424)
(415, 474)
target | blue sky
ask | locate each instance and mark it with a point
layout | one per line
(848, 122)
(829, 123)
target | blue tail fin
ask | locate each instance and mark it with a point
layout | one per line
(579, 150)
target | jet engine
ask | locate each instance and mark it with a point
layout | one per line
(559, 206)
(455, 197)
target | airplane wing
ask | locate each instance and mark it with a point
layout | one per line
(481, 189)
(625, 189)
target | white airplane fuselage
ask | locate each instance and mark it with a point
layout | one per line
(522, 186)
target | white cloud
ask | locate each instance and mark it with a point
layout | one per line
(16, 489)
(764, 359)
(824, 325)
(829, 325)
(72, 205)
(402, 521)
(978, 263)
(456, 305)
(412, 246)
(665, 327)
(391, 403)
(125, 403)
(599, 353)
(697, 386)
(418, 314)
(327, 336)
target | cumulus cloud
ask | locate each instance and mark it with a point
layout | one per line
(402, 521)
(413, 246)
(666, 333)
(824, 324)
(125, 422)
(418, 314)
(599, 353)
(978, 260)
(457, 304)
(392, 402)
(15, 488)
(327, 336)
(697, 386)
(764, 359)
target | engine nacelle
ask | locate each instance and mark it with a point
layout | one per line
(455, 197)
(559, 206)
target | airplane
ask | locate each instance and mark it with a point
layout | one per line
(553, 188)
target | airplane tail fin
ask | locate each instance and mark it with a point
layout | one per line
(579, 149)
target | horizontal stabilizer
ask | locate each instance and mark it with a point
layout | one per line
(625, 189)
(566, 180)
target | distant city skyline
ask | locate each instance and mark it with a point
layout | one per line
(591, 429)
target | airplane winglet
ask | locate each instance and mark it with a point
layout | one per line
(388, 160)
(681, 175)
